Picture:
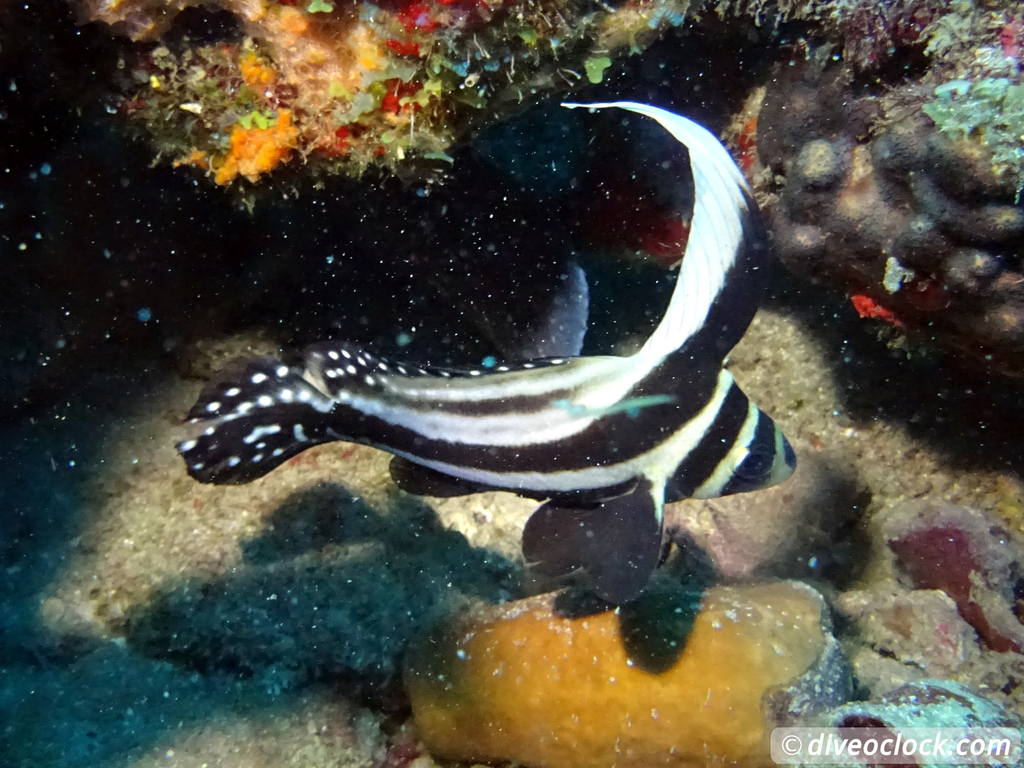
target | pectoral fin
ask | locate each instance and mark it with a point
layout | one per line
(617, 542)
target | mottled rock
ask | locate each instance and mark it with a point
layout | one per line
(938, 599)
(925, 704)
(966, 555)
(930, 704)
(921, 628)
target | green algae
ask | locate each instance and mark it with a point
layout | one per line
(595, 67)
(257, 119)
(990, 110)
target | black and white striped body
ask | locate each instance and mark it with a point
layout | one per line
(606, 439)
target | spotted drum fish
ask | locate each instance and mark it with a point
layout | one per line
(606, 441)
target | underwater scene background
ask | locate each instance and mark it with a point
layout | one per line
(188, 184)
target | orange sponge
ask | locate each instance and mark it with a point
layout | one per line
(254, 151)
(519, 683)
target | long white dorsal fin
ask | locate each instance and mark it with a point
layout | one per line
(721, 205)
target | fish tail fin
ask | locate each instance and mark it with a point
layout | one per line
(255, 415)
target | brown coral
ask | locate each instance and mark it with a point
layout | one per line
(917, 227)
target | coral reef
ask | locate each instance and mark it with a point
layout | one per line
(664, 681)
(903, 187)
(916, 226)
(349, 85)
(147, 621)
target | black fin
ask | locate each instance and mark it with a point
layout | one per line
(254, 416)
(424, 481)
(617, 542)
(543, 316)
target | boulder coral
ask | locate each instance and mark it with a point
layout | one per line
(896, 168)
(919, 227)
(669, 680)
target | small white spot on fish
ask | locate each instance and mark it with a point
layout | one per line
(330, 373)
(350, 368)
(369, 380)
(209, 431)
(446, 374)
(304, 395)
(360, 360)
(244, 407)
(257, 458)
(346, 354)
(259, 432)
(233, 392)
(300, 433)
(286, 394)
(474, 373)
(187, 446)
(502, 367)
(197, 466)
(258, 378)
(234, 461)
(401, 370)
(282, 371)
(333, 355)
(527, 365)
(382, 366)
(277, 452)
(213, 407)
(339, 371)
(265, 401)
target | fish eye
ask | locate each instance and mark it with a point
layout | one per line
(757, 464)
